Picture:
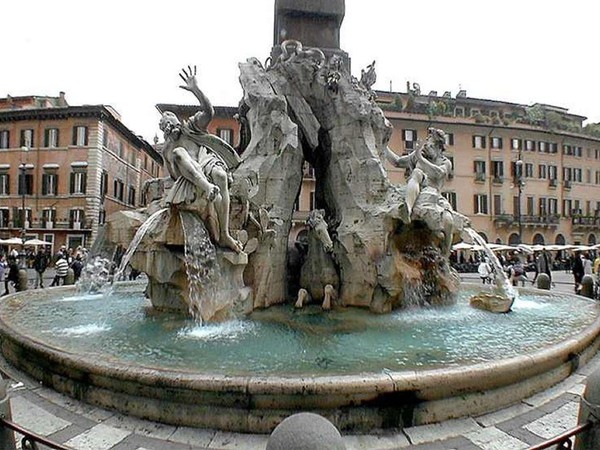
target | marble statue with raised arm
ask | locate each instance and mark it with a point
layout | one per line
(428, 167)
(199, 162)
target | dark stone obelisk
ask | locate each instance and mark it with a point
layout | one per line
(315, 23)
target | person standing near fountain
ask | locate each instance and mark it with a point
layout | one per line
(197, 165)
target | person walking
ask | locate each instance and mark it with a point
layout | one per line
(61, 267)
(485, 271)
(40, 263)
(77, 266)
(4, 274)
(577, 270)
(13, 275)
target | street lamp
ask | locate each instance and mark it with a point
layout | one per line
(23, 168)
(520, 183)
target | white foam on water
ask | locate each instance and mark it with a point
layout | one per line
(521, 303)
(84, 330)
(207, 332)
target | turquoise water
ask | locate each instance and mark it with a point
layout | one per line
(285, 341)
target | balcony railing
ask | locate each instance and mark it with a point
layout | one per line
(580, 222)
(49, 225)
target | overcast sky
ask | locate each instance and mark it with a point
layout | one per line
(128, 54)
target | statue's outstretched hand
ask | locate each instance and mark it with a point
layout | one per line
(189, 78)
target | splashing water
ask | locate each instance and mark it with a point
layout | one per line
(95, 276)
(201, 267)
(135, 242)
(501, 280)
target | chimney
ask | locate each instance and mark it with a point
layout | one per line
(62, 101)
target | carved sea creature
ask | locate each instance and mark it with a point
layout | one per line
(319, 279)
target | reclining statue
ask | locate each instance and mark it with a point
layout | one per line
(199, 162)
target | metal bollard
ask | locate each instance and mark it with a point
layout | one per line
(587, 286)
(7, 436)
(543, 281)
(589, 410)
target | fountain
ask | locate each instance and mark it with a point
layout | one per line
(215, 341)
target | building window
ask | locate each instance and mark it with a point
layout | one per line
(131, 196)
(542, 207)
(451, 197)
(48, 217)
(478, 141)
(567, 150)
(497, 170)
(4, 184)
(410, 138)
(496, 143)
(497, 204)
(118, 188)
(25, 183)
(49, 184)
(530, 145)
(80, 136)
(76, 218)
(567, 174)
(553, 147)
(312, 201)
(542, 172)
(567, 208)
(51, 137)
(226, 134)
(515, 144)
(552, 172)
(103, 183)
(528, 170)
(479, 169)
(578, 152)
(459, 112)
(4, 217)
(449, 138)
(101, 217)
(480, 204)
(27, 138)
(578, 175)
(78, 182)
(4, 139)
(121, 149)
(552, 206)
(18, 217)
(529, 202)
(543, 147)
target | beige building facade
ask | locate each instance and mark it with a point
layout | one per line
(69, 166)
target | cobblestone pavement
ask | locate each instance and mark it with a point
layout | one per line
(81, 426)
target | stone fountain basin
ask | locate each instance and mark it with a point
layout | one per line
(257, 404)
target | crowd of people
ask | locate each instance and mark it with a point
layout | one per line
(521, 269)
(40, 261)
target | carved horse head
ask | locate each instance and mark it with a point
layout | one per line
(316, 222)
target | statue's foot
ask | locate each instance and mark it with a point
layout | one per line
(404, 213)
(302, 297)
(229, 242)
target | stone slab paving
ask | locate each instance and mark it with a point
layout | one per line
(84, 427)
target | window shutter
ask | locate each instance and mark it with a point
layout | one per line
(475, 204)
(85, 136)
(72, 183)
(500, 142)
(8, 184)
(57, 137)
(56, 184)
(46, 137)
(45, 183)
(74, 140)
(83, 183)
(482, 141)
(473, 141)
